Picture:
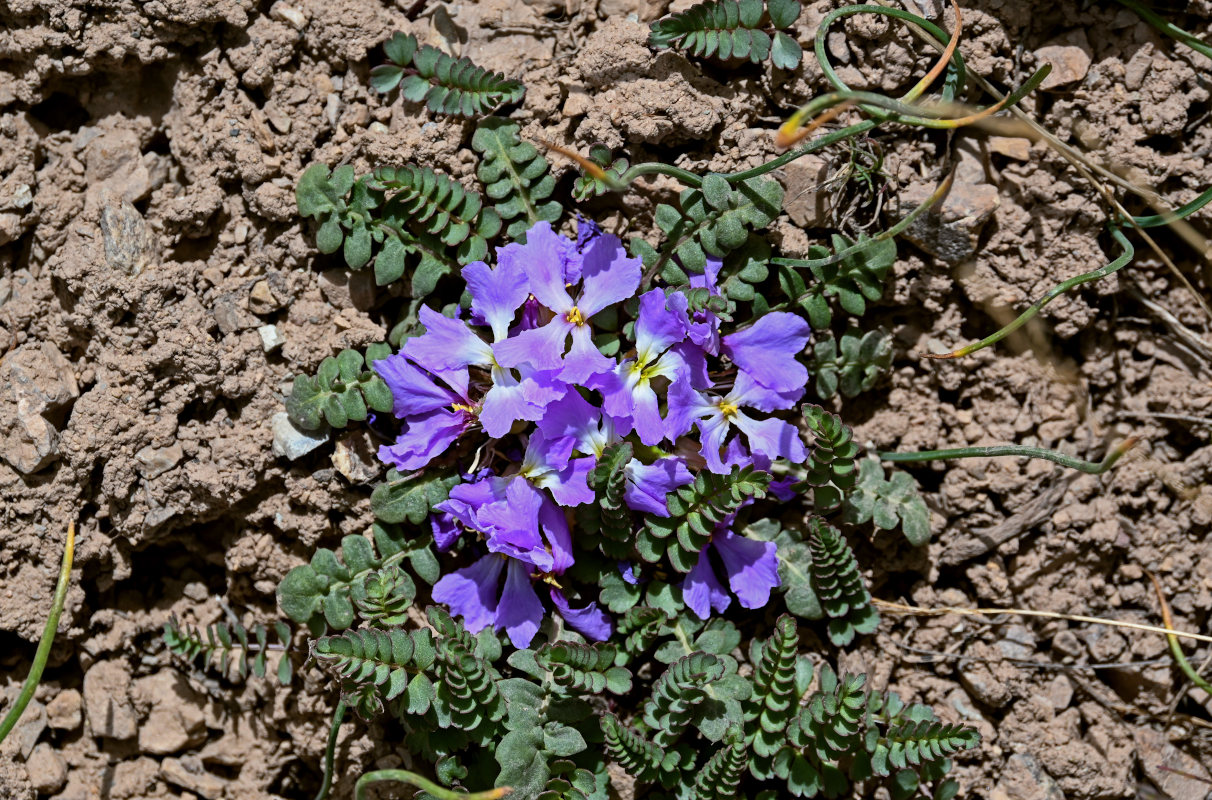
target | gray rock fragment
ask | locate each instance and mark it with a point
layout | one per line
(47, 769)
(107, 705)
(155, 461)
(292, 443)
(35, 380)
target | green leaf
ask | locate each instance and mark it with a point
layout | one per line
(400, 48)
(783, 13)
(385, 77)
(299, 593)
(561, 740)
(410, 498)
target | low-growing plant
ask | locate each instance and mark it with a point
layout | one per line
(607, 519)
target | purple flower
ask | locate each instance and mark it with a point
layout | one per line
(475, 594)
(607, 276)
(627, 390)
(434, 415)
(767, 351)
(752, 568)
(772, 438)
(704, 327)
(449, 344)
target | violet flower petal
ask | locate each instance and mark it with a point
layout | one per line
(446, 344)
(589, 621)
(471, 592)
(543, 258)
(752, 567)
(702, 590)
(424, 437)
(412, 390)
(542, 348)
(520, 611)
(767, 351)
(649, 484)
(496, 294)
(608, 275)
(772, 437)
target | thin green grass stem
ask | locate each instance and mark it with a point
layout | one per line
(998, 451)
(48, 637)
(424, 784)
(338, 715)
(1167, 27)
(1182, 212)
(1056, 291)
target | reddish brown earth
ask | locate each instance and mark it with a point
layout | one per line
(148, 153)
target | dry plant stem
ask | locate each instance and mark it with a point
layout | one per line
(1027, 612)
(330, 750)
(424, 784)
(48, 636)
(1085, 167)
(1088, 467)
(1189, 337)
(1176, 649)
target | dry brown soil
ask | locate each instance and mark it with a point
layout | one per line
(148, 233)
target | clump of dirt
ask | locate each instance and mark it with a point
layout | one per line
(159, 291)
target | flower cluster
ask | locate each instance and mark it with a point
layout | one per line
(520, 384)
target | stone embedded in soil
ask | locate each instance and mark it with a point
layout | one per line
(127, 239)
(802, 181)
(951, 229)
(1023, 778)
(291, 442)
(155, 461)
(176, 720)
(29, 728)
(35, 380)
(354, 457)
(188, 773)
(47, 769)
(1155, 752)
(65, 711)
(1011, 146)
(107, 705)
(271, 338)
(1070, 57)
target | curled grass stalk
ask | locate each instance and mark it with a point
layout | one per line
(48, 637)
(1182, 212)
(1056, 291)
(997, 451)
(338, 715)
(424, 784)
(1176, 649)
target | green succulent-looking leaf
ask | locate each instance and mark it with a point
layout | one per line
(341, 391)
(853, 367)
(516, 176)
(608, 479)
(392, 659)
(694, 511)
(446, 85)
(382, 597)
(839, 584)
(404, 218)
(732, 29)
(888, 503)
(721, 775)
(675, 694)
(640, 626)
(832, 454)
(222, 640)
(713, 221)
(846, 733)
(321, 593)
(568, 782)
(854, 280)
(584, 667)
(408, 498)
(629, 749)
(780, 677)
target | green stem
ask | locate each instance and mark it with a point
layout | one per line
(1052, 294)
(654, 168)
(48, 637)
(424, 784)
(811, 147)
(1056, 457)
(330, 749)
(1182, 212)
(1176, 649)
(1167, 27)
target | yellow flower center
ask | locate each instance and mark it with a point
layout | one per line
(463, 407)
(575, 317)
(728, 410)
